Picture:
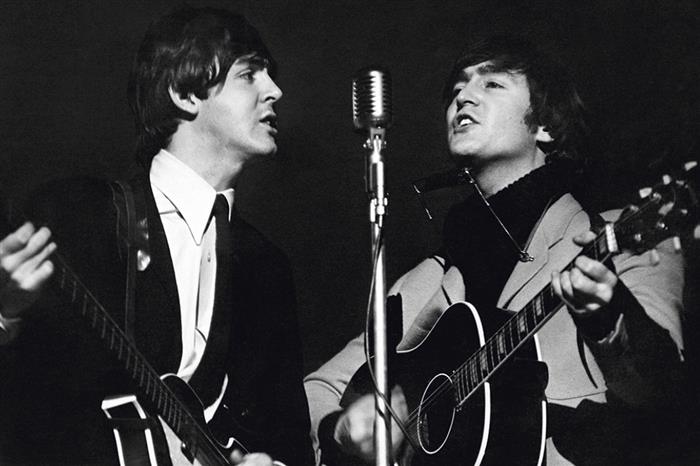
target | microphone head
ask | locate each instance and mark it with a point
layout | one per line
(371, 99)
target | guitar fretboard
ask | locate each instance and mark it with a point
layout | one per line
(151, 389)
(521, 326)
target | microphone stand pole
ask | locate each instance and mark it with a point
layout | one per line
(377, 211)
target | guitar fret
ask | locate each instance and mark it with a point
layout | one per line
(83, 303)
(103, 333)
(458, 385)
(472, 373)
(465, 382)
(522, 325)
(511, 334)
(501, 343)
(154, 391)
(491, 357)
(159, 401)
(550, 300)
(465, 379)
(483, 364)
(175, 414)
(166, 413)
(111, 339)
(537, 309)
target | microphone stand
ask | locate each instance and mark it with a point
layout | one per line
(374, 177)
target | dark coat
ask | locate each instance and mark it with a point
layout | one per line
(56, 373)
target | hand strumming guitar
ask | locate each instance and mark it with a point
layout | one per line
(24, 268)
(354, 431)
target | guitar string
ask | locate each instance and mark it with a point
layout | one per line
(172, 406)
(445, 386)
(171, 401)
(619, 226)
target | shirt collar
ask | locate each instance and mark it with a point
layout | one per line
(185, 192)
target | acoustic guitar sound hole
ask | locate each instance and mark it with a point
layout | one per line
(436, 413)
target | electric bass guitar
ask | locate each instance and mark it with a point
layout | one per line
(182, 437)
(459, 413)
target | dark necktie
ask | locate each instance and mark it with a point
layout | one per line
(220, 212)
(208, 377)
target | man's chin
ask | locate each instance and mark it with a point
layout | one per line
(464, 158)
(263, 155)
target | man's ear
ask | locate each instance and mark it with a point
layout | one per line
(543, 135)
(187, 102)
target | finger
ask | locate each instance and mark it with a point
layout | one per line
(28, 268)
(556, 284)
(236, 456)
(16, 240)
(564, 289)
(252, 459)
(595, 270)
(37, 280)
(33, 246)
(355, 429)
(585, 238)
(590, 295)
(567, 288)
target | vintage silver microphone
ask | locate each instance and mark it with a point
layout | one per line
(371, 99)
(372, 115)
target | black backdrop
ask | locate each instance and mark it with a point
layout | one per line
(65, 65)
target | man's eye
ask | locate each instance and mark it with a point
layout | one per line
(248, 75)
(493, 85)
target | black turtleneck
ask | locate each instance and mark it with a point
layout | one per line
(476, 243)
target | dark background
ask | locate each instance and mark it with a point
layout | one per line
(65, 65)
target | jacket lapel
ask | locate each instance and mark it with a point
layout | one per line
(158, 315)
(161, 260)
(547, 235)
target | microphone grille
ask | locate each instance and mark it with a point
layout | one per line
(371, 99)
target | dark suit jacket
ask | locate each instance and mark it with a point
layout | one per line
(56, 374)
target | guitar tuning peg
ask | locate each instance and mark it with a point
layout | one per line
(677, 246)
(644, 192)
(690, 165)
(696, 232)
(666, 179)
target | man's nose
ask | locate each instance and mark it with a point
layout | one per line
(272, 90)
(468, 95)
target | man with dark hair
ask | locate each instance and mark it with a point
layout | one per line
(197, 276)
(515, 121)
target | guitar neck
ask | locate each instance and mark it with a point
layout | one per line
(148, 384)
(501, 346)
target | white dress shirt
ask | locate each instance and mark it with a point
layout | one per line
(185, 201)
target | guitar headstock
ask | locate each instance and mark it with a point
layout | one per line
(667, 210)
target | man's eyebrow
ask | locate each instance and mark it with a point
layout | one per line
(486, 68)
(255, 61)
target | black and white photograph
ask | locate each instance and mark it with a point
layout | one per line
(345, 233)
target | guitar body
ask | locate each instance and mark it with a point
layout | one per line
(147, 440)
(501, 423)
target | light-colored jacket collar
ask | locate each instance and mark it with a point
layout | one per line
(548, 234)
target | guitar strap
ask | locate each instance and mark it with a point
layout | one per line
(132, 231)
